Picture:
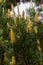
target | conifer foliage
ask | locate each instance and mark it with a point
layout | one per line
(21, 40)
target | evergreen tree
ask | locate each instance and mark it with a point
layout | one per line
(21, 40)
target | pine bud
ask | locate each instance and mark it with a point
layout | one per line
(19, 18)
(23, 13)
(18, 9)
(3, 11)
(28, 17)
(8, 25)
(5, 57)
(42, 7)
(12, 7)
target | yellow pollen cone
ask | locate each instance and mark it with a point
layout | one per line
(39, 48)
(12, 36)
(37, 17)
(29, 26)
(0, 1)
(35, 29)
(8, 14)
(12, 61)
(38, 41)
